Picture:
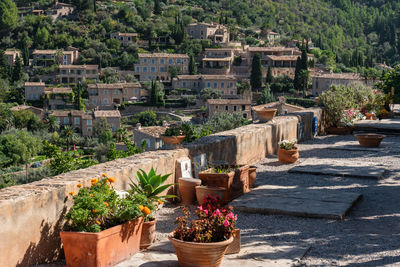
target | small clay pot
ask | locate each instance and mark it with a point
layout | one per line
(288, 156)
(252, 175)
(148, 234)
(173, 140)
(370, 116)
(187, 188)
(370, 139)
(203, 191)
(265, 114)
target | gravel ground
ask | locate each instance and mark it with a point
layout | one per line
(367, 237)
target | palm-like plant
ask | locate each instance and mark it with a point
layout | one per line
(52, 124)
(68, 135)
(121, 134)
(151, 184)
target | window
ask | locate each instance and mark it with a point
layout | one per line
(162, 61)
(66, 120)
(226, 108)
(153, 69)
(184, 60)
(129, 38)
(201, 32)
(178, 61)
(89, 129)
(144, 69)
(153, 61)
(231, 92)
(136, 91)
(150, 78)
(222, 92)
(94, 101)
(121, 38)
(106, 92)
(234, 108)
(243, 107)
(230, 85)
(125, 91)
(162, 69)
(116, 92)
(222, 85)
(145, 60)
(208, 85)
(184, 84)
(105, 101)
(184, 68)
(216, 107)
(77, 120)
(138, 69)
(170, 61)
(89, 122)
(215, 85)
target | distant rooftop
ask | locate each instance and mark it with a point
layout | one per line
(155, 131)
(158, 55)
(347, 76)
(114, 85)
(229, 101)
(35, 84)
(78, 66)
(206, 77)
(58, 90)
(107, 114)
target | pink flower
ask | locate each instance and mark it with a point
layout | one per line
(205, 212)
(230, 215)
(226, 223)
(200, 208)
(217, 212)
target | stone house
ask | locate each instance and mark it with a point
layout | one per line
(78, 73)
(37, 111)
(155, 66)
(84, 122)
(242, 106)
(59, 97)
(217, 61)
(60, 10)
(224, 83)
(49, 57)
(217, 33)
(106, 95)
(151, 135)
(322, 82)
(11, 55)
(125, 38)
(272, 37)
(34, 90)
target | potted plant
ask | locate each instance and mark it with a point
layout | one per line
(101, 228)
(204, 241)
(265, 114)
(235, 179)
(345, 125)
(288, 151)
(202, 191)
(173, 136)
(150, 185)
(370, 139)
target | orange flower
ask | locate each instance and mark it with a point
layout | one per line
(98, 222)
(105, 203)
(160, 201)
(91, 195)
(109, 186)
(94, 211)
(104, 175)
(141, 207)
(71, 193)
(146, 210)
(79, 185)
(111, 180)
(94, 180)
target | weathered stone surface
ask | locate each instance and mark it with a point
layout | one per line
(298, 202)
(340, 168)
(355, 146)
(389, 125)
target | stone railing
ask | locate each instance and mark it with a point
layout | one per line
(31, 215)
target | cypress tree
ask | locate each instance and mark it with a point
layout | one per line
(192, 65)
(304, 60)
(269, 78)
(17, 70)
(297, 71)
(25, 54)
(157, 7)
(256, 73)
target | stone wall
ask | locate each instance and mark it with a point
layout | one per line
(31, 215)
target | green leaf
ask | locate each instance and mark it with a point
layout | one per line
(155, 181)
(164, 178)
(148, 189)
(151, 173)
(168, 196)
(160, 189)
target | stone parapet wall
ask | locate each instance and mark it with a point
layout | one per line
(31, 215)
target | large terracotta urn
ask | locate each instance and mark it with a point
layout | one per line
(187, 188)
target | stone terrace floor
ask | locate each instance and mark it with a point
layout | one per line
(368, 236)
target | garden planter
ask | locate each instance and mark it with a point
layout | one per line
(288, 156)
(224, 180)
(252, 175)
(234, 247)
(203, 191)
(187, 188)
(370, 139)
(370, 116)
(265, 114)
(340, 130)
(240, 183)
(173, 140)
(193, 254)
(148, 234)
(106, 248)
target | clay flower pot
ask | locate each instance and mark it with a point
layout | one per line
(187, 188)
(234, 247)
(340, 130)
(192, 254)
(105, 248)
(252, 175)
(203, 191)
(370, 116)
(265, 114)
(148, 234)
(173, 140)
(288, 156)
(224, 180)
(370, 139)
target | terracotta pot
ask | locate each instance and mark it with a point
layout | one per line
(193, 254)
(234, 247)
(340, 130)
(370, 139)
(240, 183)
(288, 156)
(173, 140)
(148, 234)
(224, 180)
(265, 114)
(203, 191)
(187, 188)
(252, 175)
(106, 248)
(370, 116)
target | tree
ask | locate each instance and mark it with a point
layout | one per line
(256, 73)
(68, 134)
(42, 36)
(391, 84)
(192, 65)
(18, 70)
(8, 16)
(157, 94)
(121, 134)
(157, 7)
(210, 93)
(173, 71)
(78, 97)
(269, 77)
(297, 71)
(102, 130)
(178, 30)
(7, 118)
(148, 118)
(266, 96)
(52, 124)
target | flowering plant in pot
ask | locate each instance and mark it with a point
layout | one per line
(203, 241)
(150, 185)
(173, 135)
(101, 228)
(288, 151)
